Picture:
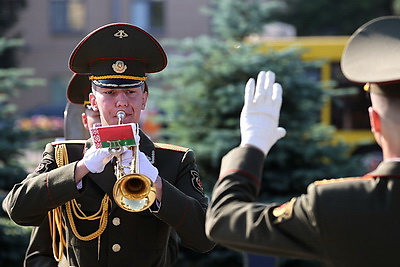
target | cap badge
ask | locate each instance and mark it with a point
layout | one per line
(121, 34)
(119, 66)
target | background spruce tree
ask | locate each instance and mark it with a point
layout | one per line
(9, 10)
(202, 105)
(13, 238)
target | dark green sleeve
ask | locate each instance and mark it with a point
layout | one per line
(45, 189)
(236, 220)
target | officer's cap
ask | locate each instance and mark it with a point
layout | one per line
(78, 90)
(372, 56)
(118, 55)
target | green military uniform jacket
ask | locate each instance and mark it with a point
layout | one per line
(340, 222)
(130, 239)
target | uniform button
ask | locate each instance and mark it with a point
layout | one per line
(116, 221)
(116, 247)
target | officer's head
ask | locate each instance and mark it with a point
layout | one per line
(371, 57)
(117, 58)
(78, 90)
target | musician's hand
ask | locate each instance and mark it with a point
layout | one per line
(96, 159)
(127, 157)
(147, 168)
(260, 114)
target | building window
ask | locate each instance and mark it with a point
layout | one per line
(148, 15)
(67, 16)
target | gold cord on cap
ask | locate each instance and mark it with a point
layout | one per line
(107, 77)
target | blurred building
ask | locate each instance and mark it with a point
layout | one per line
(52, 28)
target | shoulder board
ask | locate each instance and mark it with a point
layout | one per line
(171, 147)
(78, 142)
(338, 180)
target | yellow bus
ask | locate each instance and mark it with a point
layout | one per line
(347, 108)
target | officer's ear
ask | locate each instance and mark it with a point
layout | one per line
(93, 102)
(145, 95)
(85, 121)
(375, 120)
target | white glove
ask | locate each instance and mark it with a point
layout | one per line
(145, 166)
(127, 160)
(260, 114)
(96, 159)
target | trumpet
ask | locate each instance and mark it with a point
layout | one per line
(133, 192)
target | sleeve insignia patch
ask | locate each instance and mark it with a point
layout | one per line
(196, 182)
(284, 212)
(39, 168)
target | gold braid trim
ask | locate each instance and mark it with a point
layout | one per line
(103, 218)
(107, 77)
(57, 225)
(56, 222)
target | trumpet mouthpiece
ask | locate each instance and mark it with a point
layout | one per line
(121, 116)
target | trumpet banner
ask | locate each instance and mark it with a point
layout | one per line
(114, 136)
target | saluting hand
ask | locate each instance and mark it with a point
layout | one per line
(260, 114)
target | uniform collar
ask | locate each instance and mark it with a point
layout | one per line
(390, 169)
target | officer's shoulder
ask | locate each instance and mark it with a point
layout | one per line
(171, 147)
(339, 180)
(73, 148)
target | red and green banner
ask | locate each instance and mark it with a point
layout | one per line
(114, 136)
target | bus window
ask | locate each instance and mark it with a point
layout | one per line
(349, 107)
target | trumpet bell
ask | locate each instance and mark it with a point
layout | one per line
(134, 192)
